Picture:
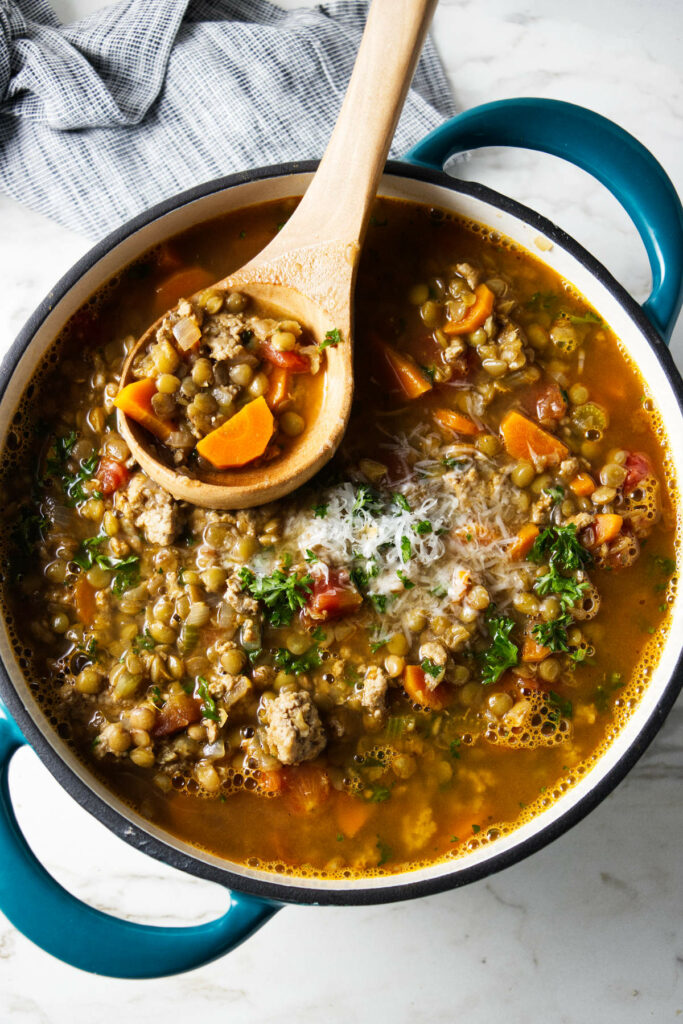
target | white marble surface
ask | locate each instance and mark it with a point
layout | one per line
(589, 929)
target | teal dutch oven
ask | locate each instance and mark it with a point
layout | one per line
(86, 938)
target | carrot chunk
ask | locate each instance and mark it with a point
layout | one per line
(177, 713)
(292, 361)
(605, 528)
(86, 607)
(456, 421)
(524, 541)
(136, 401)
(582, 485)
(306, 787)
(532, 651)
(526, 440)
(240, 439)
(476, 315)
(415, 685)
(401, 371)
(278, 387)
(352, 812)
(179, 285)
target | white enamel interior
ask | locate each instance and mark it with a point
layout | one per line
(514, 228)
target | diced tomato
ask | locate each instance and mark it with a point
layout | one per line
(111, 475)
(638, 466)
(306, 787)
(177, 713)
(545, 401)
(333, 597)
(292, 361)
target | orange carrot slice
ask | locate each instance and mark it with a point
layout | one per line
(456, 421)
(401, 371)
(352, 812)
(306, 787)
(526, 440)
(582, 485)
(180, 285)
(524, 541)
(532, 651)
(606, 527)
(476, 314)
(278, 387)
(240, 439)
(86, 608)
(415, 685)
(136, 401)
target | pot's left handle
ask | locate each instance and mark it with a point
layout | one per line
(86, 938)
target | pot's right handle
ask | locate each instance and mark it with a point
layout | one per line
(600, 147)
(84, 937)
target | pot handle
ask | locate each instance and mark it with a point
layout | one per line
(86, 938)
(598, 146)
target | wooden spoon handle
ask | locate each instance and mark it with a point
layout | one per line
(337, 203)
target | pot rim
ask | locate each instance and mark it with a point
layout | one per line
(407, 885)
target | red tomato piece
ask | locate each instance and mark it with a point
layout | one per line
(638, 466)
(333, 597)
(550, 403)
(292, 361)
(111, 475)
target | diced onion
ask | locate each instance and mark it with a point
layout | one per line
(186, 333)
(198, 615)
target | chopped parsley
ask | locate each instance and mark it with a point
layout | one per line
(561, 546)
(379, 794)
(567, 589)
(401, 501)
(406, 549)
(423, 527)
(563, 705)
(385, 852)
(126, 570)
(60, 452)
(589, 317)
(29, 529)
(379, 602)
(367, 500)
(331, 339)
(208, 703)
(439, 590)
(453, 748)
(502, 654)
(320, 511)
(556, 493)
(376, 645)
(143, 642)
(407, 584)
(282, 593)
(311, 556)
(431, 668)
(300, 664)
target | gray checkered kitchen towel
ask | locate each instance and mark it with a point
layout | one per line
(104, 117)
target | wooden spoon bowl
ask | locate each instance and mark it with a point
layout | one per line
(308, 271)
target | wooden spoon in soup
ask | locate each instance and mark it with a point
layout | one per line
(207, 397)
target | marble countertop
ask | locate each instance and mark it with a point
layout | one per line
(589, 929)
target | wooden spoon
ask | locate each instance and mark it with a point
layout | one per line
(308, 271)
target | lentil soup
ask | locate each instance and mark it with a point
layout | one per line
(414, 654)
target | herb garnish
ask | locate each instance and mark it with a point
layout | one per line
(502, 654)
(431, 668)
(367, 500)
(407, 583)
(406, 549)
(332, 338)
(423, 527)
(281, 593)
(143, 642)
(208, 703)
(320, 511)
(126, 570)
